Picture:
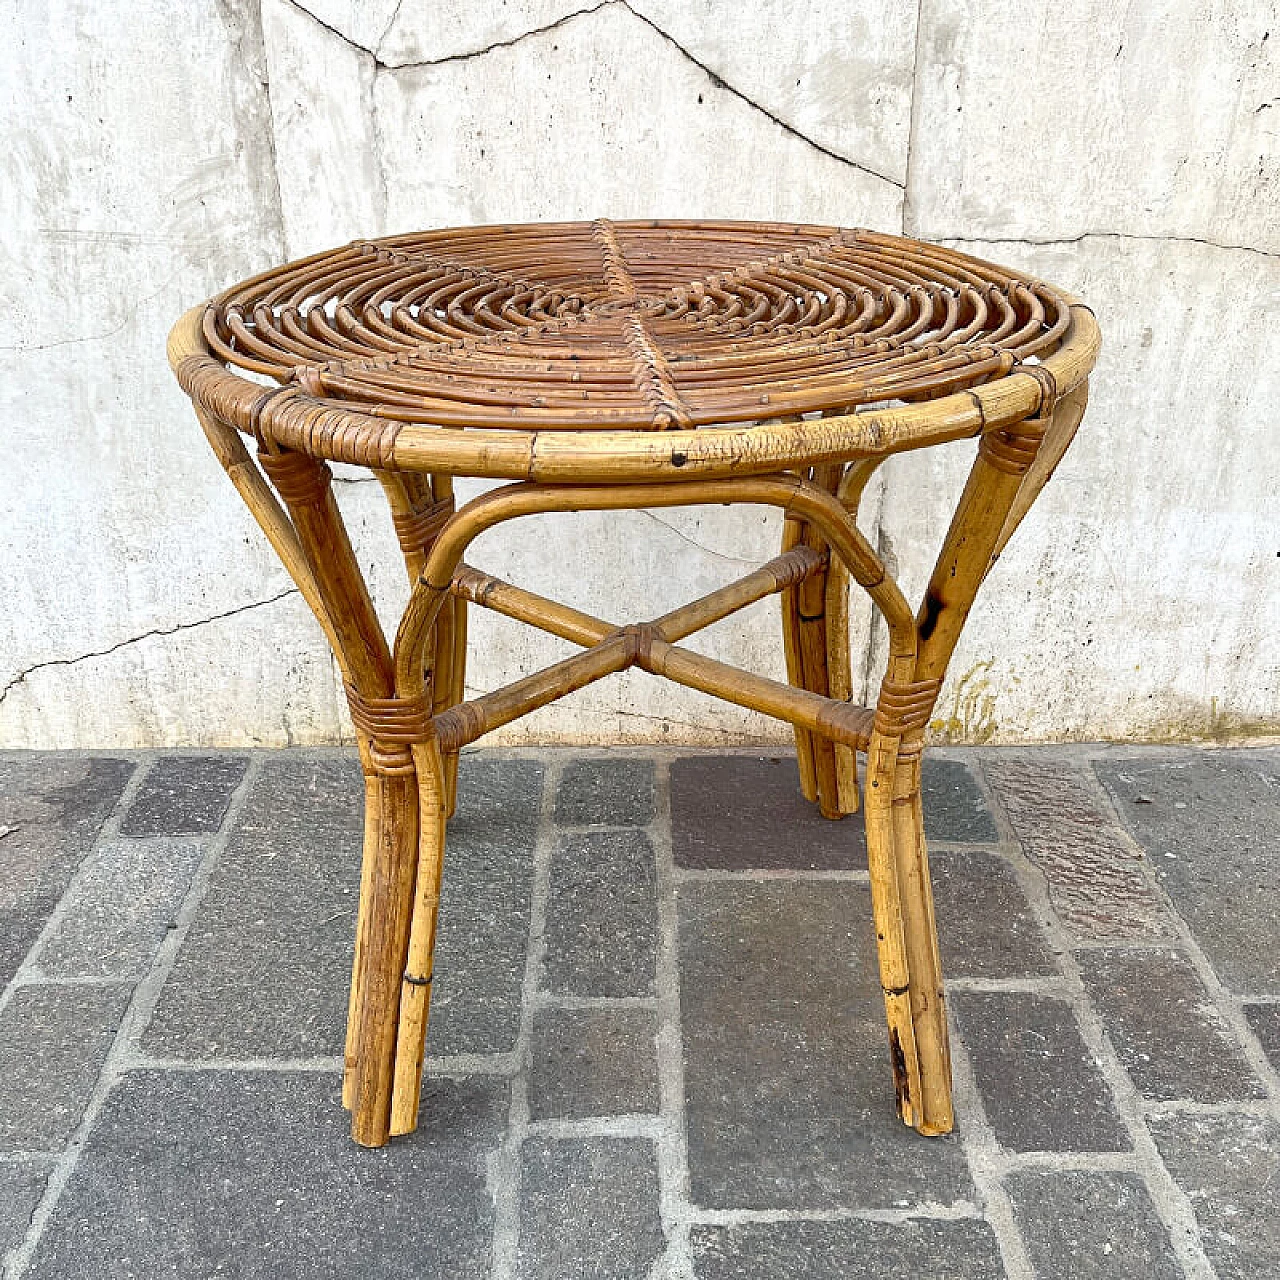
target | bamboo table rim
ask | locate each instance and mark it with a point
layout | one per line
(615, 366)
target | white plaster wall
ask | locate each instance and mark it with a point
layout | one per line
(158, 151)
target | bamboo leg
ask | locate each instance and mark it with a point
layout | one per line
(890, 924)
(789, 601)
(382, 949)
(415, 994)
(391, 797)
(352, 1052)
(934, 1113)
(974, 537)
(817, 649)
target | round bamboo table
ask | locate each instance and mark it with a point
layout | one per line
(606, 366)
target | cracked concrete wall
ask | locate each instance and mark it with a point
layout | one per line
(158, 152)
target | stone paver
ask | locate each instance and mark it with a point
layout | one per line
(264, 968)
(954, 807)
(985, 927)
(608, 791)
(601, 934)
(1208, 822)
(1040, 1086)
(589, 1208)
(740, 812)
(1096, 880)
(199, 1174)
(553, 1135)
(1082, 1225)
(1264, 1021)
(1172, 1040)
(851, 1250)
(53, 1041)
(592, 1062)
(184, 796)
(120, 909)
(1229, 1166)
(22, 1184)
(484, 907)
(788, 1091)
(53, 806)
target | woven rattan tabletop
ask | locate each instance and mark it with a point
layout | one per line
(617, 326)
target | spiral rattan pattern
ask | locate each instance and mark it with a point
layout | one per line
(632, 325)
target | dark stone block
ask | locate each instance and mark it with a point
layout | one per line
(1264, 1020)
(1040, 1085)
(208, 1173)
(1097, 881)
(855, 1249)
(1173, 1041)
(788, 1089)
(1082, 1225)
(53, 1041)
(1208, 821)
(1229, 1166)
(602, 927)
(954, 808)
(54, 806)
(592, 1062)
(184, 796)
(120, 909)
(265, 968)
(484, 907)
(985, 927)
(740, 812)
(609, 791)
(589, 1207)
(22, 1184)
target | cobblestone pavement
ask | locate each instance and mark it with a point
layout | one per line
(657, 1046)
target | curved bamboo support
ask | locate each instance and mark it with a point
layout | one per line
(817, 507)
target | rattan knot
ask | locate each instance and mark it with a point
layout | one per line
(637, 640)
(390, 726)
(300, 480)
(905, 707)
(419, 528)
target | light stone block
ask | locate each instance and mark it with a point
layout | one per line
(1048, 121)
(601, 116)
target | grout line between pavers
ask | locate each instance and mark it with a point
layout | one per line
(673, 1141)
(138, 1013)
(27, 973)
(145, 1062)
(505, 1168)
(1172, 1205)
(963, 1211)
(1045, 984)
(631, 1125)
(556, 1000)
(1262, 1108)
